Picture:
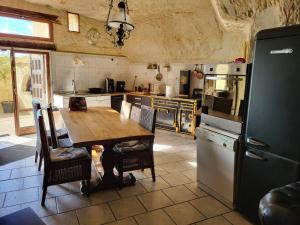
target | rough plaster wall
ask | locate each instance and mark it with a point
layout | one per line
(189, 35)
(254, 15)
(68, 41)
(168, 30)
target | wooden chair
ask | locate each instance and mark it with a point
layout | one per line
(61, 134)
(125, 109)
(62, 165)
(56, 142)
(135, 155)
(135, 114)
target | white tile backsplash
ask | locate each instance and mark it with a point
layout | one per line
(92, 74)
(96, 68)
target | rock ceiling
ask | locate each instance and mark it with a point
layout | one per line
(97, 9)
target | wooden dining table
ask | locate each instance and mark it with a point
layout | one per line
(103, 126)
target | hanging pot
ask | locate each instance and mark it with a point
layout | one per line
(159, 75)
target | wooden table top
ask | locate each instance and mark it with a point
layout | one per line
(100, 125)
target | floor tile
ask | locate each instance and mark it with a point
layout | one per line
(103, 196)
(4, 174)
(33, 181)
(13, 165)
(176, 179)
(71, 202)
(184, 213)
(95, 215)
(24, 172)
(21, 196)
(11, 185)
(126, 207)
(152, 186)
(2, 197)
(236, 219)
(195, 189)
(132, 190)
(127, 221)
(156, 217)
(55, 191)
(49, 208)
(173, 167)
(8, 210)
(191, 174)
(155, 200)
(179, 194)
(68, 218)
(219, 220)
(209, 206)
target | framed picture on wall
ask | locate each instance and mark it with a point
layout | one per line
(73, 22)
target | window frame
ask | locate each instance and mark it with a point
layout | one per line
(17, 36)
(77, 14)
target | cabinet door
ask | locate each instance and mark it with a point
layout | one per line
(186, 120)
(146, 101)
(166, 118)
(116, 102)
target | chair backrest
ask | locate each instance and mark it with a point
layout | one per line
(35, 107)
(77, 103)
(135, 114)
(148, 118)
(52, 126)
(125, 109)
(43, 137)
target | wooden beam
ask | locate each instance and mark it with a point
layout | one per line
(23, 14)
(27, 44)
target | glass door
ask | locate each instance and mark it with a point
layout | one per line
(7, 119)
(30, 81)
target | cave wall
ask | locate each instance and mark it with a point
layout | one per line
(190, 35)
(69, 41)
(254, 15)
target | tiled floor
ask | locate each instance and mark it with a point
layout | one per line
(173, 199)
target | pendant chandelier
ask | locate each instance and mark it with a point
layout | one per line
(119, 24)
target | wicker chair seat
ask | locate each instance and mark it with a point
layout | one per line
(61, 133)
(131, 146)
(64, 143)
(62, 154)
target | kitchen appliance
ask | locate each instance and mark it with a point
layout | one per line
(95, 90)
(184, 85)
(224, 86)
(120, 86)
(220, 129)
(217, 163)
(271, 156)
(109, 85)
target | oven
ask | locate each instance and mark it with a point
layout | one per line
(167, 111)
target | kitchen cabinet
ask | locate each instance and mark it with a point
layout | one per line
(138, 100)
(62, 101)
(116, 102)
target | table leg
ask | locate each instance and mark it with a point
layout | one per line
(109, 179)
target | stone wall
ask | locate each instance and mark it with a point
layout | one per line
(70, 41)
(254, 15)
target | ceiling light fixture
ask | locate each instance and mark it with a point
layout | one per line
(119, 24)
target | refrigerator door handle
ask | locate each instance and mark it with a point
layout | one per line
(254, 156)
(255, 142)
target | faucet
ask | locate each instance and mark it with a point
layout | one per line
(74, 87)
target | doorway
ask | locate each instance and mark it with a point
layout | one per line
(30, 79)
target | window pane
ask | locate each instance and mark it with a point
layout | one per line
(15, 26)
(73, 22)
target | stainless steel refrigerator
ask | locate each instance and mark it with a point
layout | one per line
(271, 155)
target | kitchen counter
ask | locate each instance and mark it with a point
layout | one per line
(145, 94)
